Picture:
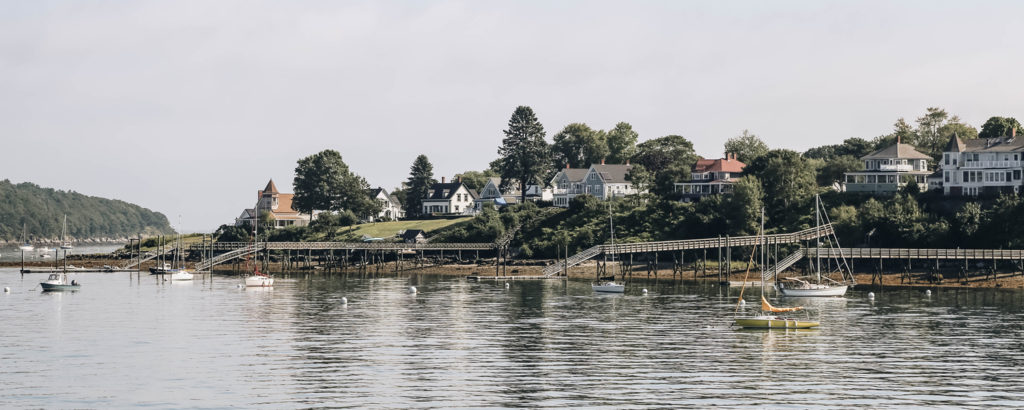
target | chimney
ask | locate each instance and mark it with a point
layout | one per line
(566, 165)
(602, 161)
(442, 180)
(1013, 134)
(898, 138)
(460, 179)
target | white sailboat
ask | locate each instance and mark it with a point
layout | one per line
(822, 286)
(257, 278)
(64, 243)
(609, 286)
(25, 246)
(179, 272)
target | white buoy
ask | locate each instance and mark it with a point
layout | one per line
(507, 285)
(928, 292)
(645, 291)
(871, 295)
(7, 289)
(344, 300)
(743, 302)
(412, 289)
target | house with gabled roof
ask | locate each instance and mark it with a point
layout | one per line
(989, 166)
(449, 198)
(607, 181)
(390, 208)
(492, 193)
(889, 169)
(710, 177)
(278, 204)
(567, 184)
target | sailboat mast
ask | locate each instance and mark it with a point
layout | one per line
(817, 235)
(761, 238)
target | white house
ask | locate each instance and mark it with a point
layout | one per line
(607, 181)
(888, 169)
(982, 166)
(449, 198)
(390, 208)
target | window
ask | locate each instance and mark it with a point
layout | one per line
(1016, 175)
(947, 176)
(1007, 177)
(946, 156)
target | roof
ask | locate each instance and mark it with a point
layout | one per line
(271, 188)
(574, 174)
(994, 144)
(612, 173)
(954, 144)
(446, 191)
(719, 165)
(410, 234)
(898, 150)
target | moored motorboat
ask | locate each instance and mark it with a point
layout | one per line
(259, 279)
(609, 287)
(160, 270)
(59, 282)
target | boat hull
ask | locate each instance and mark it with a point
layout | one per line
(609, 288)
(814, 292)
(775, 323)
(258, 281)
(51, 287)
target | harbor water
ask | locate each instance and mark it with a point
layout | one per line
(135, 341)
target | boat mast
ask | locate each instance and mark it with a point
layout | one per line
(759, 239)
(817, 235)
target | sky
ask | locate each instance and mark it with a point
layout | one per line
(189, 107)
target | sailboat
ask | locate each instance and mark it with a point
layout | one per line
(179, 272)
(766, 318)
(609, 286)
(257, 278)
(25, 245)
(822, 286)
(64, 243)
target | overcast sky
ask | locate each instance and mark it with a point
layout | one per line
(188, 108)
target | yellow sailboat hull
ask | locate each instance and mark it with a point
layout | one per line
(775, 323)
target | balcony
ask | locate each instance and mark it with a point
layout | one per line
(896, 167)
(990, 164)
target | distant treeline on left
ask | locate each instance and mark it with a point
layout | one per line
(41, 212)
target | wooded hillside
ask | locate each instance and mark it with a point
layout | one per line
(41, 211)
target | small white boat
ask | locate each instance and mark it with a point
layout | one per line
(802, 288)
(25, 246)
(609, 287)
(44, 250)
(179, 274)
(64, 244)
(59, 282)
(258, 279)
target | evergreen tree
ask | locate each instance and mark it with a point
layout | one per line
(421, 177)
(524, 153)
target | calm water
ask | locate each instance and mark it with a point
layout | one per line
(121, 343)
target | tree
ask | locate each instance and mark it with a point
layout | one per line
(660, 153)
(742, 209)
(997, 127)
(523, 152)
(475, 180)
(788, 181)
(834, 170)
(934, 130)
(579, 146)
(746, 146)
(421, 177)
(324, 182)
(621, 143)
(640, 178)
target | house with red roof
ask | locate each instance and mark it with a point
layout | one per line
(279, 206)
(711, 177)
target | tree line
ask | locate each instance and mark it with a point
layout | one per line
(40, 212)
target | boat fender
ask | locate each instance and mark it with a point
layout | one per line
(871, 295)
(412, 289)
(344, 300)
(645, 291)
(928, 292)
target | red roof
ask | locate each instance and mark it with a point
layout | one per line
(719, 165)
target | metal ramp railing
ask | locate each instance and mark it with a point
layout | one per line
(150, 256)
(574, 260)
(224, 257)
(769, 274)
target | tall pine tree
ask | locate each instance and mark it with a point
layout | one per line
(421, 177)
(524, 153)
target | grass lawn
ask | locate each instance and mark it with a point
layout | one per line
(388, 230)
